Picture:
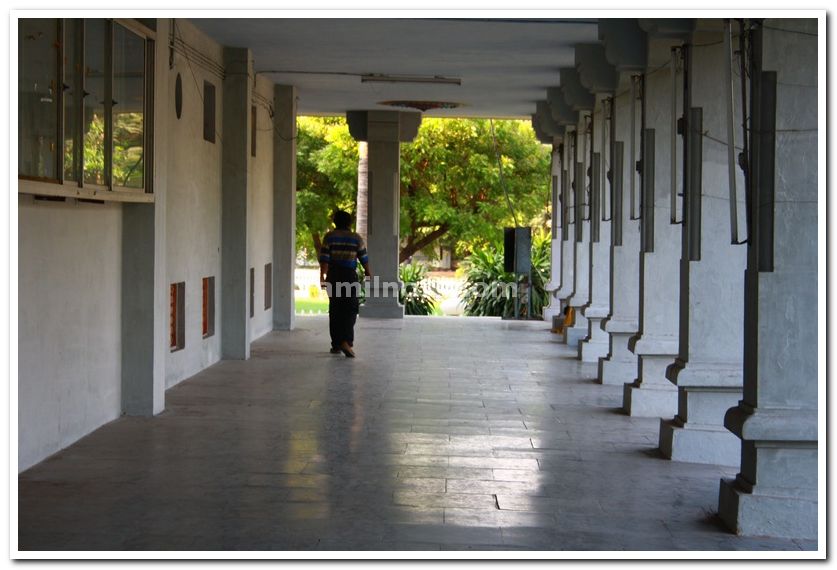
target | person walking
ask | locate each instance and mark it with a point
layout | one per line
(340, 253)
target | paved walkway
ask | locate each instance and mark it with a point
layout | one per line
(445, 433)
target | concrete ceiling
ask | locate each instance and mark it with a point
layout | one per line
(505, 65)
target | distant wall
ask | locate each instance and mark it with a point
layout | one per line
(193, 202)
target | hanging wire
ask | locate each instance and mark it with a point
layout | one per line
(500, 166)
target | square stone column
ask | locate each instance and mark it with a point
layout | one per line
(708, 370)
(656, 343)
(384, 131)
(776, 491)
(620, 364)
(554, 284)
(581, 235)
(236, 180)
(567, 233)
(596, 344)
(145, 302)
(284, 206)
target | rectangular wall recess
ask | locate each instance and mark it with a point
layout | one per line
(252, 292)
(208, 307)
(268, 286)
(177, 321)
(208, 112)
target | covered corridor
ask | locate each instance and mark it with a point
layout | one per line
(445, 433)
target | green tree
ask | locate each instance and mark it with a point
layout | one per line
(451, 193)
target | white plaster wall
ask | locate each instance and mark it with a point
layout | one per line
(69, 311)
(193, 202)
(261, 209)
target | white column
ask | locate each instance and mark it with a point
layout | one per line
(580, 234)
(236, 180)
(554, 283)
(656, 344)
(145, 309)
(708, 371)
(567, 233)
(595, 344)
(284, 206)
(776, 491)
(384, 131)
(620, 365)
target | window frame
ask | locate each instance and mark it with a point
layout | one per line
(60, 186)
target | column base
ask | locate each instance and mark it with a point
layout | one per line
(699, 444)
(754, 514)
(573, 335)
(381, 310)
(644, 401)
(595, 345)
(616, 372)
(550, 311)
(620, 365)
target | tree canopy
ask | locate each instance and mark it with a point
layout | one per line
(451, 192)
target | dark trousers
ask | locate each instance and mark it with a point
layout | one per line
(343, 305)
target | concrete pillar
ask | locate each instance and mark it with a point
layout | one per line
(776, 491)
(581, 232)
(656, 343)
(620, 364)
(145, 310)
(284, 206)
(567, 233)
(708, 370)
(384, 132)
(236, 178)
(554, 284)
(595, 344)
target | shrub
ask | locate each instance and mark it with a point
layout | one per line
(417, 295)
(487, 290)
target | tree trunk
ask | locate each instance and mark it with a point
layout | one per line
(318, 243)
(421, 243)
(362, 189)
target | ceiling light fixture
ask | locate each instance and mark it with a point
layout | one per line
(383, 78)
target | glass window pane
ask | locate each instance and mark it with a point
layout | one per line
(38, 97)
(72, 98)
(94, 102)
(128, 107)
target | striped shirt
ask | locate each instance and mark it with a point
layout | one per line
(343, 248)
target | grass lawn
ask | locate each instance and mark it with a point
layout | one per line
(320, 306)
(309, 306)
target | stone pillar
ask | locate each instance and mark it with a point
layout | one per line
(581, 232)
(554, 283)
(284, 206)
(776, 491)
(567, 233)
(145, 301)
(595, 344)
(651, 394)
(236, 179)
(384, 132)
(708, 370)
(620, 364)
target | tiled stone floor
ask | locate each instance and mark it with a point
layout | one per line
(443, 434)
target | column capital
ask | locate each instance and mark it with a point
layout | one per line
(383, 126)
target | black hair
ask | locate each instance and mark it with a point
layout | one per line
(342, 220)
